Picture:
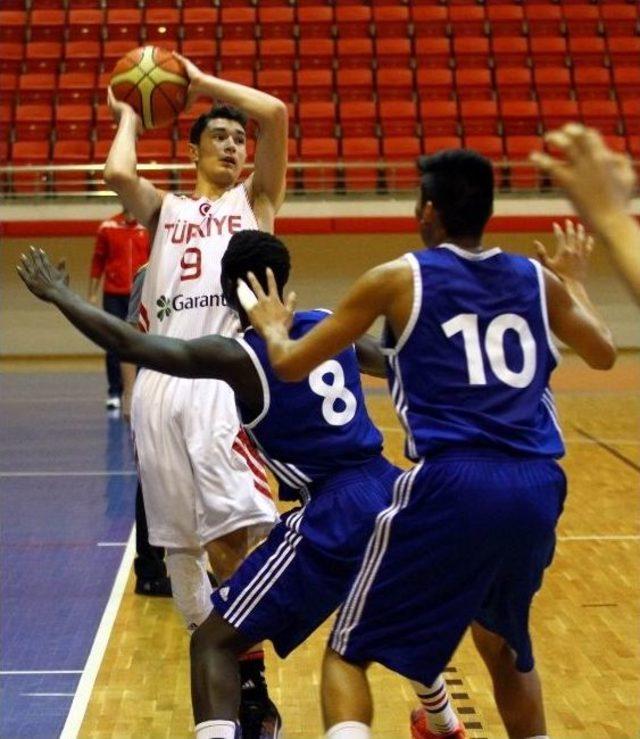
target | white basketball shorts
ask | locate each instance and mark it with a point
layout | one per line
(201, 478)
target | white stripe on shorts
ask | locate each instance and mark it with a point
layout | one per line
(267, 576)
(351, 611)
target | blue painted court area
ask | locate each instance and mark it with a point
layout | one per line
(67, 491)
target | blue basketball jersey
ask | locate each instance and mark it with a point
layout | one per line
(309, 430)
(472, 366)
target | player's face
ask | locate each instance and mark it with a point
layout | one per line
(222, 151)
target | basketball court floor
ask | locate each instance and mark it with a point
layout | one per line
(83, 656)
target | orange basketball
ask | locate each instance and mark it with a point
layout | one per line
(153, 82)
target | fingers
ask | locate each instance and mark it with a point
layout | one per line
(561, 241)
(541, 252)
(271, 283)
(256, 286)
(291, 301)
(570, 234)
(246, 297)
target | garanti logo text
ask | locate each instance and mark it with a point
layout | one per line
(166, 306)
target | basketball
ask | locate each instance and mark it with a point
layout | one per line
(153, 82)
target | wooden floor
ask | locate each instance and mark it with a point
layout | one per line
(584, 623)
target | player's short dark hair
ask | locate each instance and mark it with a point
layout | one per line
(459, 183)
(253, 251)
(218, 111)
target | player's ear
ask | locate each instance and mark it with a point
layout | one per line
(427, 213)
(193, 151)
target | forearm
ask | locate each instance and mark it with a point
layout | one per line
(258, 105)
(621, 236)
(122, 160)
(94, 288)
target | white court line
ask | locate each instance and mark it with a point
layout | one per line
(571, 439)
(85, 685)
(112, 544)
(604, 537)
(90, 473)
(40, 672)
(49, 695)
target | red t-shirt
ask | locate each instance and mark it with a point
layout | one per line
(122, 247)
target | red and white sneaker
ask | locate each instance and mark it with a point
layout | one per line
(420, 728)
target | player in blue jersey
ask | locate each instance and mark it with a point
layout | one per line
(319, 441)
(472, 526)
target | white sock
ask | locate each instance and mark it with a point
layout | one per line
(348, 730)
(441, 718)
(190, 584)
(216, 730)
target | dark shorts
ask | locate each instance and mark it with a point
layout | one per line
(466, 538)
(303, 571)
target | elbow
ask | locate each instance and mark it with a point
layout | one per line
(287, 372)
(605, 358)
(116, 178)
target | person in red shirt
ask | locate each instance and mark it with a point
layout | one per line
(122, 247)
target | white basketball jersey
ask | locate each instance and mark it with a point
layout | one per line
(182, 293)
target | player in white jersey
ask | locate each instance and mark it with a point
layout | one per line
(204, 488)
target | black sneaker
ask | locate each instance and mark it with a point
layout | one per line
(160, 588)
(260, 720)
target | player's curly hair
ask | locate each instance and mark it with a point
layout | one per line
(253, 251)
(459, 183)
(217, 111)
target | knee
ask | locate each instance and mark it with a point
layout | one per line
(493, 649)
(215, 636)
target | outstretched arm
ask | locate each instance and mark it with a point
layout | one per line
(210, 356)
(572, 316)
(599, 183)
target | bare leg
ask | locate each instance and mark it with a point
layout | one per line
(345, 691)
(518, 695)
(227, 553)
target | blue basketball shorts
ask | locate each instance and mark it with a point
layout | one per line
(302, 572)
(466, 538)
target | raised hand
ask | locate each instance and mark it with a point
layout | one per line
(266, 311)
(119, 108)
(40, 276)
(196, 76)
(573, 250)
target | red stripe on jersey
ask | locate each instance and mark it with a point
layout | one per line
(144, 317)
(259, 478)
(243, 439)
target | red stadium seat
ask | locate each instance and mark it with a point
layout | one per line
(398, 118)
(156, 151)
(543, 19)
(37, 88)
(199, 23)
(276, 22)
(393, 83)
(403, 151)
(354, 84)
(71, 152)
(316, 52)
(124, 23)
(513, 82)
(236, 53)
(617, 143)
(203, 52)
(315, 84)
(552, 82)
(430, 20)
(241, 76)
(505, 20)
(6, 117)
(8, 83)
(633, 146)
(358, 118)
(317, 119)
(46, 24)
(581, 20)
(12, 25)
(432, 52)
(491, 147)
(353, 21)
(42, 56)
(73, 121)
(47, 4)
(465, 20)
(29, 153)
(32, 122)
(238, 23)
(11, 56)
(439, 118)
(84, 56)
(391, 20)
(474, 83)
(479, 117)
(277, 82)
(432, 144)
(601, 114)
(394, 52)
(627, 81)
(592, 82)
(366, 150)
(105, 126)
(187, 118)
(556, 113)
(519, 117)
(354, 52)
(101, 149)
(277, 53)
(549, 51)
(631, 117)
(85, 24)
(619, 19)
(587, 50)
(162, 26)
(522, 174)
(624, 50)
(434, 84)
(471, 51)
(314, 150)
(77, 87)
(509, 51)
(315, 21)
